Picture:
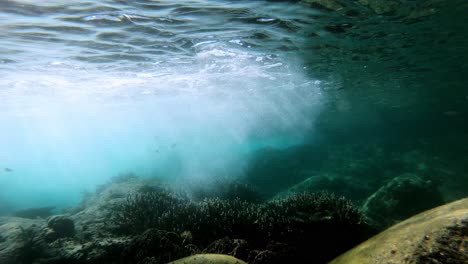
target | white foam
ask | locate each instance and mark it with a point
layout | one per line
(68, 127)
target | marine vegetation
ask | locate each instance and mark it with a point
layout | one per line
(162, 209)
(225, 189)
(311, 208)
(321, 221)
(30, 246)
(156, 208)
(216, 218)
(156, 246)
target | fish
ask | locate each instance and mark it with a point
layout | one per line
(8, 170)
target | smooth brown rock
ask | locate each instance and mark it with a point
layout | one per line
(208, 259)
(435, 236)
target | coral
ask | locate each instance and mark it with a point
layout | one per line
(280, 229)
(31, 246)
(158, 208)
(225, 189)
(318, 222)
(216, 218)
(310, 208)
(156, 246)
(207, 220)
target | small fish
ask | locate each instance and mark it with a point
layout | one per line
(8, 170)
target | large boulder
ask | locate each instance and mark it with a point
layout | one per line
(209, 259)
(20, 240)
(435, 236)
(402, 197)
(62, 226)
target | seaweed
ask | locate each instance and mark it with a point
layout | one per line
(226, 189)
(157, 208)
(31, 246)
(329, 223)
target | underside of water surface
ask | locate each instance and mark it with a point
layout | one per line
(364, 99)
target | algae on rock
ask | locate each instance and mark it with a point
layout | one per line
(434, 236)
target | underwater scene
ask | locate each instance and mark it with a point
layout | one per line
(233, 131)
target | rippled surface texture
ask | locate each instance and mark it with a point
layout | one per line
(203, 89)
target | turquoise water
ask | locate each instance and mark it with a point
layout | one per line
(185, 90)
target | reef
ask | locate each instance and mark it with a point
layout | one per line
(400, 198)
(299, 213)
(289, 207)
(142, 221)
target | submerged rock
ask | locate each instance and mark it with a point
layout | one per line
(271, 253)
(156, 246)
(403, 196)
(238, 248)
(209, 259)
(278, 231)
(435, 236)
(105, 250)
(275, 253)
(20, 240)
(33, 213)
(62, 225)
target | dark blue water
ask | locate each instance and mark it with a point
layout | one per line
(185, 90)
